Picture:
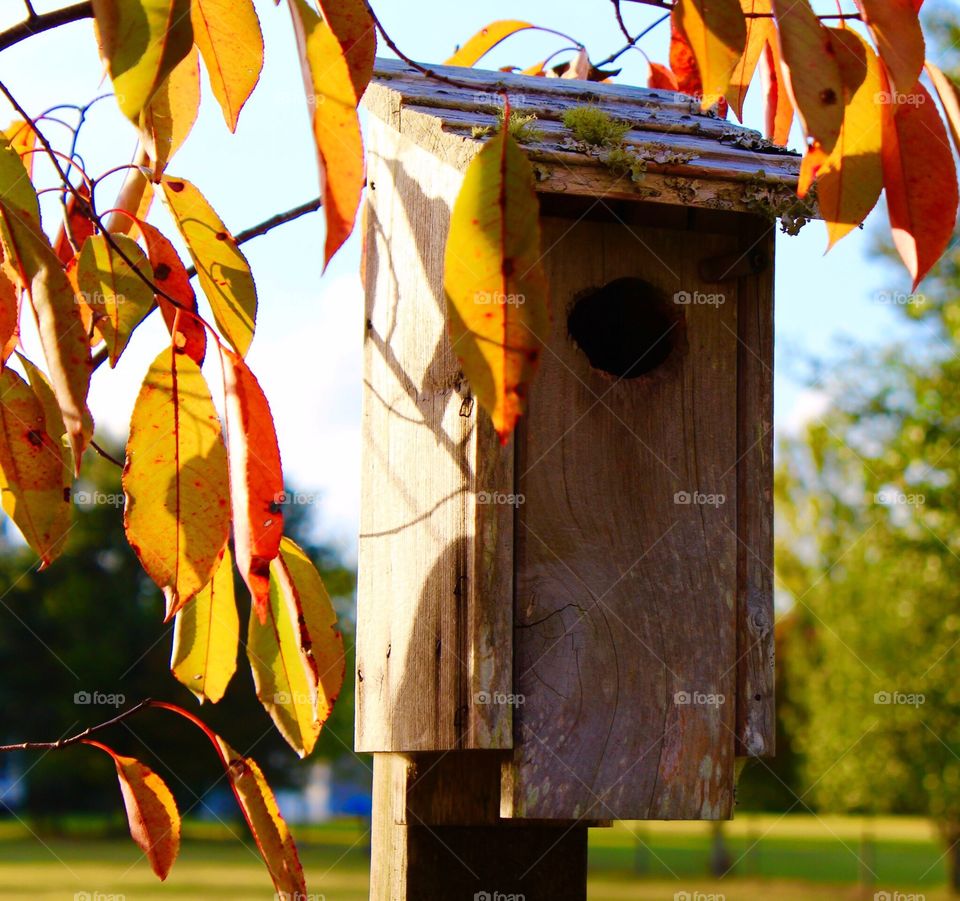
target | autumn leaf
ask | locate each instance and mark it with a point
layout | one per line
(717, 33)
(205, 636)
(268, 827)
(760, 30)
(495, 284)
(810, 70)
(851, 179)
(683, 64)
(81, 225)
(256, 478)
(113, 290)
(141, 41)
(222, 268)
(177, 513)
(777, 105)
(31, 470)
(920, 181)
(296, 656)
(662, 78)
(228, 35)
(171, 114)
(9, 317)
(53, 421)
(31, 259)
(332, 100)
(485, 40)
(16, 190)
(350, 21)
(151, 810)
(895, 27)
(22, 137)
(171, 275)
(949, 96)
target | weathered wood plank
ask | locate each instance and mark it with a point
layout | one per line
(625, 599)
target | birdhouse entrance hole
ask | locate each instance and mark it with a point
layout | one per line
(627, 328)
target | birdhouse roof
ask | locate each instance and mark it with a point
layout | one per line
(678, 154)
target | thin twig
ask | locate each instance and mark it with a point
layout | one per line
(37, 24)
(105, 454)
(79, 737)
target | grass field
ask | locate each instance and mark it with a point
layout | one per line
(789, 858)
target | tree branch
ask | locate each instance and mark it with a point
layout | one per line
(79, 737)
(37, 24)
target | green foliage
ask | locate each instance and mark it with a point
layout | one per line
(591, 125)
(521, 127)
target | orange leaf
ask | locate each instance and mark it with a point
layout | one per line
(895, 27)
(759, 32)
(777, 105)
(810, 70)
(256, 478)
(9, 317)
(177, 513)
(169, 118)
(717, 33)
(228, 35)
(350, 21)
(495, 284)
(949, 96)
(921, 182)
(170, 274)
(851, 180)
(81, 226)
(485, 40)
(151, 810)
(683, 63)
(333, 100)
(661, 77)
(269, 830)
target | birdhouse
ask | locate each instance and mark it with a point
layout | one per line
(582, 619)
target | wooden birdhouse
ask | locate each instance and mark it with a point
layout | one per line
(577, 627)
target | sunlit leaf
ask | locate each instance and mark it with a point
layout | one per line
(256, 478)
(222, 268)
(23, 139)
(111, 287)
(661, 77)
(81, 226)
(920, 182)
(332, 100)
(810, 70)
(141, 41)
(9, 317)
(485, 40)
(171, 276)
(350, 21)
(495, 284)
(170, 116)
(851, 179)
(205, 636)
(949, 95)
(31, 469)
(895, 26)
(760, 30)
(296, 656)
(177, 514)
(777, 104)
(717, 34)
(228, 35)
(53, 420)
(151, 810)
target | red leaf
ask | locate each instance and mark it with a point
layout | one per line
(81, 227)
(661, 77)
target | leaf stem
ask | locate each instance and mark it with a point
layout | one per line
(80, 736)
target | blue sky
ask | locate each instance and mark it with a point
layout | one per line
(307, 348)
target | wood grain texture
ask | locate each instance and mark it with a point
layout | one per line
(432, 647)
(624, 597)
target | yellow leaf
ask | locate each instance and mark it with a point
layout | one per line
(170, 116)
(296, 656)
(205, 636)
(895, 26)
(851, 179)
(23, 139)
(332, 99)
(31, 469)
(222, 268)
(30, 257)
(495, 284)
(350, 21)
(485, 40)
(228, 35)
(759, 31)
(810, 70)
(141, 42)
(111, 288)
(151, 810)
(177, 514)
(269, 829)
(717, 33)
